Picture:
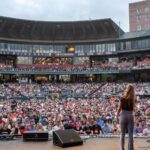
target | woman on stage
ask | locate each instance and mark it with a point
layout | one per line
(126, 109)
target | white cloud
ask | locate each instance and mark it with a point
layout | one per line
(67, 10)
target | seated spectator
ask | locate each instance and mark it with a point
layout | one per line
(44, 121)
(101, 122)
(68, 125)
(96, 128)
(22, 128)
(88, 128)
(1, 119)
(15, 129)
(57, 126)
(39, 127)
(115, 128)
(106, 128)
(78, 128)
(49, 128)
(146, 131)
(32, 126)
(139, 128)
(4, 129)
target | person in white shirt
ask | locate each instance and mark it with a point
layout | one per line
(146, 131)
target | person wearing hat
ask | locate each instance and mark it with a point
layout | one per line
(146, 131)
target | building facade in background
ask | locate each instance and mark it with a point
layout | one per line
(139, 15)
(77, 51)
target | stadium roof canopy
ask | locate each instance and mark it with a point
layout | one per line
(135, 34)
(27, 30)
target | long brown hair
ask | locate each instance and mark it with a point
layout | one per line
(130, 94)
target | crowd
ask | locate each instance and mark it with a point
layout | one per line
(86, 90)
(5, 66)
(85, 115)
(101, 66)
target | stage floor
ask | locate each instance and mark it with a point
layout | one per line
(89, 144)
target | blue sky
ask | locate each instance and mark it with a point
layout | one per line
(68, 10)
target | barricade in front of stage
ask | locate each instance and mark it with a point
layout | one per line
(49, 137)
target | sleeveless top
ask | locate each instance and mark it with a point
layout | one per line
(126, 104)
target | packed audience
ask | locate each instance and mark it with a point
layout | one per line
(94, 90)
(101, 66)
(5, 66)
(86, 115)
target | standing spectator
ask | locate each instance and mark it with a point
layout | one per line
(13, 104)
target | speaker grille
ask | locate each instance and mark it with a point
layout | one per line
(66, 138)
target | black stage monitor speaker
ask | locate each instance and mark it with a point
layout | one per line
(35, 136)
(66, 138)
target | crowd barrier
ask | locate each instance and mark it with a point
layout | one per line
(82, 136)
(6, 137)
(110, 136)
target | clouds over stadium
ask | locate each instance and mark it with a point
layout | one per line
(67, 10)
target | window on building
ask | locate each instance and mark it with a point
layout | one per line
(138, 27)
(147, 9)
(138, 10)
(146, 43)
(138, 18)
(134, 44)
(81, 60)
(146, 26)
(128, 44)
(24, 60)
(146, 17)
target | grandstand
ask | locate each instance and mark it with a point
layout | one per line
(94, 50)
